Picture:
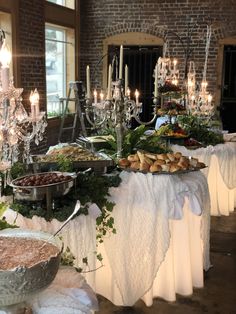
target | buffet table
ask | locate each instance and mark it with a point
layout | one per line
(162, 241)
(220, 173)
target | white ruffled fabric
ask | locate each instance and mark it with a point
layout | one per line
(144, 205)
(68, 294)
(226, 155)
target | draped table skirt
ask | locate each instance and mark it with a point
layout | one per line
(220, 174)
(162, 242)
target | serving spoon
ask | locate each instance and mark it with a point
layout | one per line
(77, 207)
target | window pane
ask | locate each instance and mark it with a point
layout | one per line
(60, 65)
(5, 25)
(65, 3)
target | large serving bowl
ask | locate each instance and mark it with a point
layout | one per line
(19, 284)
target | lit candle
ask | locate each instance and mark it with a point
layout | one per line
(128, 92)
(174, 62)
(34, 100)
(109, 83)
(155, 82)
(209, 99)
(5, 59)
(101, 96)
(126, 78)
(88, 81)
(136, 96)
(95, 94)
(121, 62)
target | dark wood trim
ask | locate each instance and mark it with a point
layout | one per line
(60, 15)
(77, 39)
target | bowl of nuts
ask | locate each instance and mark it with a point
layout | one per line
(29, 261)
(34, 187)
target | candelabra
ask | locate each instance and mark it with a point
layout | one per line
(118, 109)
(17, 128)
(199, 100)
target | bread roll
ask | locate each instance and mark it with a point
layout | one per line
(174, 168)
(183, 165)
(133, 157)
(151, 156)
(141, 156)
(144, 166)
(135, 165)
(123, 162)
(170, 156)
(165, 167)
(177, 155)
(159, 162)
(155, 168)
(161, 156)
(148, 160)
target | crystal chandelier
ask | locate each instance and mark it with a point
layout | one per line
(17, 128)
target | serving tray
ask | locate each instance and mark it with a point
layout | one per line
(162, 172)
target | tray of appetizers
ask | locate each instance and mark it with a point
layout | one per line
(80, 157)
(170, 163)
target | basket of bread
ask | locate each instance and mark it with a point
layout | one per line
(168, 163)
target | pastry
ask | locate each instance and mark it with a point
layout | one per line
(174, 168)
(141, 156)
(170, 156)
(177, 155)
(165, 167)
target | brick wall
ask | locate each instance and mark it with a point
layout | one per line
(104, 18)
(32, 53)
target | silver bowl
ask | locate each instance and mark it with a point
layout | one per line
(19, 284)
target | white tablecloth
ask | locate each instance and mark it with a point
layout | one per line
(220, 173)
(162, 241)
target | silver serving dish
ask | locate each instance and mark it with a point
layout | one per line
(38, 193)
(20, 284)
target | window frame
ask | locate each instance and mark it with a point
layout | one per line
(65, 17)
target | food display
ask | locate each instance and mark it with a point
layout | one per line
(172, 130)
(74, 153)
(160, 163)
(42, 179)
(24, 252)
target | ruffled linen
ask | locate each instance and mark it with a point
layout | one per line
(144, 205)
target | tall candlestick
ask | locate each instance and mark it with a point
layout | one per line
(155, 82)
(136, 96)
(109, 83)
(126, 79)
(95, 94)
(88, 81)
(121, 62)
(34, 99)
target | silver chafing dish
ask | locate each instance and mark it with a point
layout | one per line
(39, 192)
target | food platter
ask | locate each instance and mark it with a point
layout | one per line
(39, 162)
(161, 172)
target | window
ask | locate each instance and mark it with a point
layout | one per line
(5, 25)
(65, 3)
(60, 65)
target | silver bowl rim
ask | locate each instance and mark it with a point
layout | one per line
(38, 235)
